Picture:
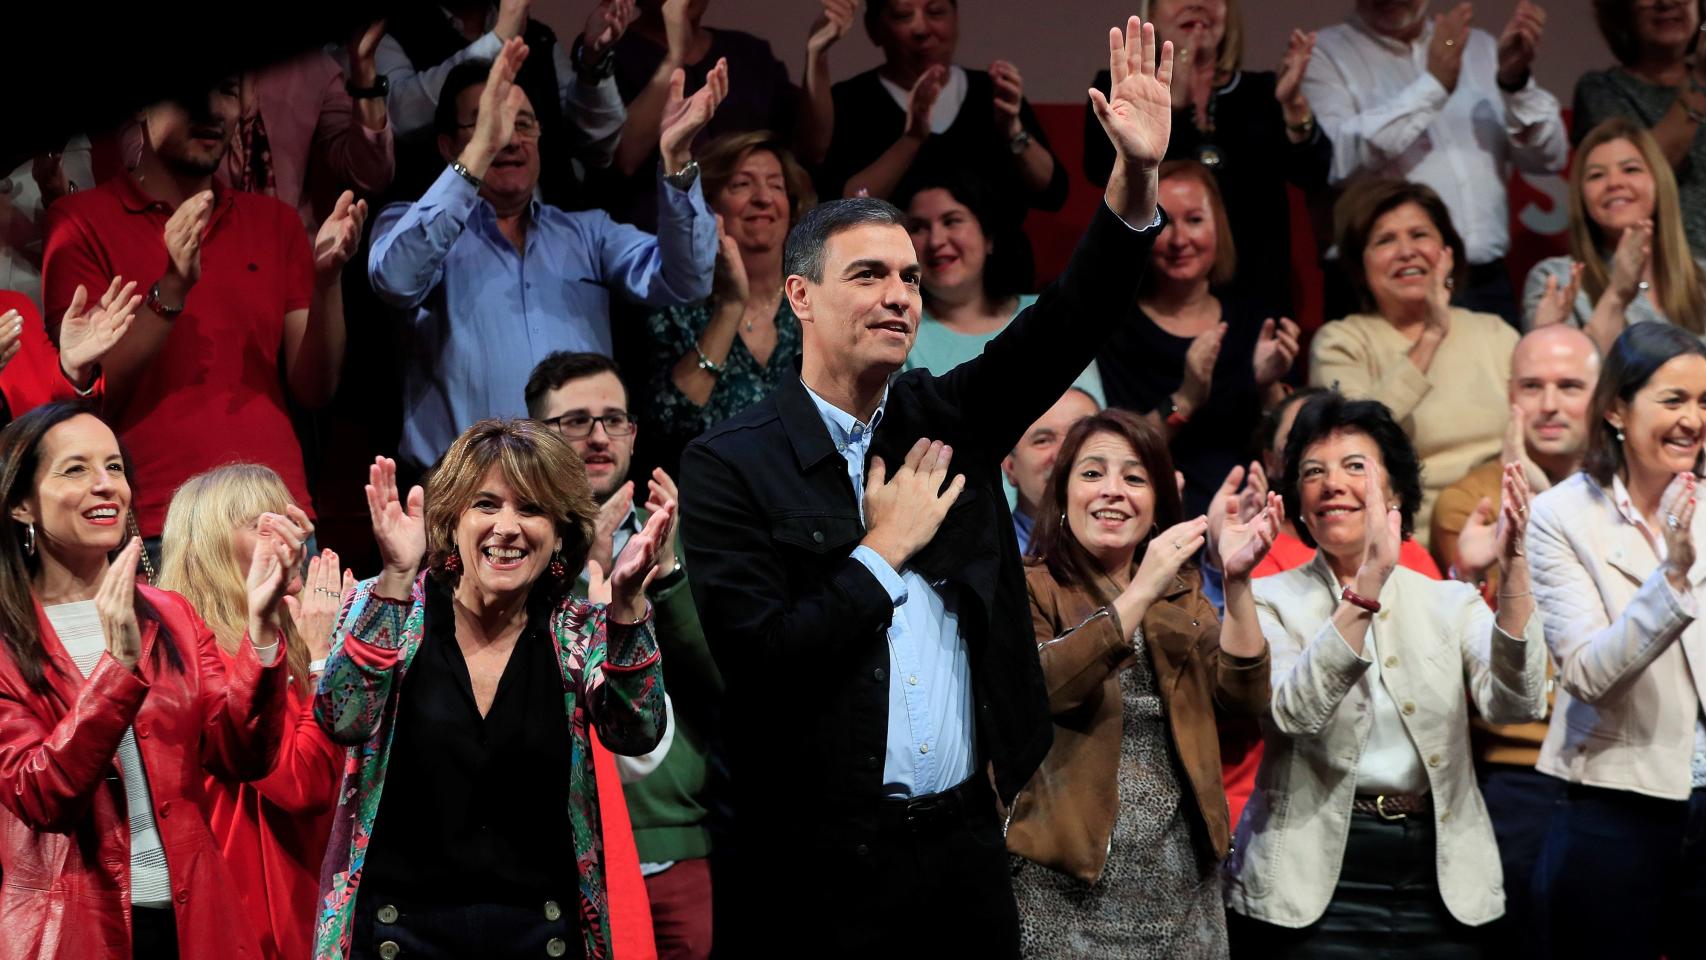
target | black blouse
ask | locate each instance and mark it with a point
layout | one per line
(1256, 161)
(476, 810)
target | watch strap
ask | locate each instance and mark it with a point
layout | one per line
(381, 88)
(154, 303)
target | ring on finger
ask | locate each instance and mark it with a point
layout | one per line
(1672, 521)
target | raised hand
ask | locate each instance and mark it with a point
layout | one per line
(1438, 320)
(184, 232)
(512, 19)
(1288, 87)
(315, 610)
(1558, 303)
(1514, 449)
(677, 30)
(271, 565)
(11, 335)
(87, 333)
(362, 47)
(1477, 543)
(729, 282)
(1240, 496)
(921, 99)
(1200, 358)
(831, 25)
(48, 171)
(500, 103)
(115, 603)
(1009, 95)
(340, 235)
(1676, 518)
(684, 117)
(605, 25)
(1513, 515)
(611, 513)
(1244, 544)
(1277, 346)
(399, 529)
(903, 511)
(1137, 113)
(1629, 262)
(1383, 526)
(1518, 42)
(1445, 51)
(660, 491)
(1165, 555)
(638, 565)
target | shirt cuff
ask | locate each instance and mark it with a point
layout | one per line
(267, 653)
(1154, 226)
(891, 582)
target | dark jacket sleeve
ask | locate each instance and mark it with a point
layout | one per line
(1053, 196)
(1025, 369)
(740, 581)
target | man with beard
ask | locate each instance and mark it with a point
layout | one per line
(241, 313)
(490, 279)
(580, 395)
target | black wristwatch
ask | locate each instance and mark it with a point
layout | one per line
(593, 72)
(380, 88)
(154, 303)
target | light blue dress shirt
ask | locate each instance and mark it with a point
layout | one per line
(481, 314)
(931, 735)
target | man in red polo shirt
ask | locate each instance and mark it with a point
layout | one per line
(240, 312)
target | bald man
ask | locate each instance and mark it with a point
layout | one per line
(1553, 372)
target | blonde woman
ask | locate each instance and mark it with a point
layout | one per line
(272, 831)
(1629, 259)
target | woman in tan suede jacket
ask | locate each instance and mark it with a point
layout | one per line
(1118, 835)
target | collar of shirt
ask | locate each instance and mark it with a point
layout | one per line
(134, 200)
(629, 526)
(1393, 44)
(948, 102)
(1626, 507)
(844, 428)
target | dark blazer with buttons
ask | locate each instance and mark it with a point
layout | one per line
(798, 627)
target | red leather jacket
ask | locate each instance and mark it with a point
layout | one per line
(34, 377)
(64, 836)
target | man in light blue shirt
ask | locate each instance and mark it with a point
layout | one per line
(492, 280)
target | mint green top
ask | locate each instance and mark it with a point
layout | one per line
(939, 349)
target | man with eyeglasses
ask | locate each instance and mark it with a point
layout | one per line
(581, 396)
(491, 279)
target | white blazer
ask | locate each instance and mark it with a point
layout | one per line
(1439, 647)
(1631, 654)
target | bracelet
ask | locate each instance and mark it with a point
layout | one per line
(1306, 125)
(1692, 114)
(1372, 606)
(154, 303)
(466, 174)
(705, 363)
(317, 666)
(1513, 596)
(1176, 416)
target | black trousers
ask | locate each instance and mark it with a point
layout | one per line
(153, 933)
(1521, 802)
(1385, 907)
(387, 928)
(873, 885)
(1624, 875)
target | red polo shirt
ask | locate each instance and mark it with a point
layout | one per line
(214, 393)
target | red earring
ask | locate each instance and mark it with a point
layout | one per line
(559, 569)
(453, 563)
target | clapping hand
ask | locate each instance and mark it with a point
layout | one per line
(1383, 526)
(339, 236)
(12, 335)
(605, 25)
(1240, 497)
(361, 48)
(1629, 261)
(684, 117)
(729, 282)
(1200, 358)
(1277, 346)
(315, 610)
(611, 513)
(1558, 303)
(1676, 514)
(399, 529)
(831, 25)
(115, 602)
(85, 335)
(1513, 515)
(637, 566)
(184, 231)
(500, 103)
(661, 492)
(1518, 43)
(1245, 543)
(1288, 88)
(1445, 50)
(277, 555)
(1009, 97)
(921, 99)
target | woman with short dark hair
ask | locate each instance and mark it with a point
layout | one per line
(1615, 577)
(1366, 834)
(1439, 369)
(468, 823)
(1120, 833)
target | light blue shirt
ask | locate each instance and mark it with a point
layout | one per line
(931, 735)
(481, 314)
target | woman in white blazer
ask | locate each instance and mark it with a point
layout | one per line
(1622, 872)
(1366, 834)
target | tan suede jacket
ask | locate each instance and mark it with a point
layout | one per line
(1064, 817)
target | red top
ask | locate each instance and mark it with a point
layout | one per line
(630, 908)
(213, 393)
(273, 832)
(1241, 744)
(64, 836)
(34, 377)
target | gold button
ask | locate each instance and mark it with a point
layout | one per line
(1445, 815)
(387, 914)
(553, 912)
(556, 947)
(1409, 708)
(1392, 661)
(1433, 760)
(389, 950)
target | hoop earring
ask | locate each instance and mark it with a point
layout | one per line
(29, 539)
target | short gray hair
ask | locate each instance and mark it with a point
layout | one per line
(803, 253)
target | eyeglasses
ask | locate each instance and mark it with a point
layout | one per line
(576, 426)
(526, 128)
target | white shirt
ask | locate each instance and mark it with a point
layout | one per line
(1388, 116)
(1390, 763)
(948, 103)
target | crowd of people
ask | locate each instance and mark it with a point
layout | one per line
(766, 564)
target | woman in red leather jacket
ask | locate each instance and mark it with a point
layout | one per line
(113, 702)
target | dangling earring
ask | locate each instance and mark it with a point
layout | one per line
(30, 539)
(559, 569)
(453, 563)
(1620, 436)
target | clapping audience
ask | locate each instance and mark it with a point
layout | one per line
(1234, 728)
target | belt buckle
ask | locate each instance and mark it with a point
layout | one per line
(1380, 808)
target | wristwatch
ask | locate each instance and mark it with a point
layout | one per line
(683, 178)
(381, 87)
(1020, 141)
(594, 72)
(154, 303)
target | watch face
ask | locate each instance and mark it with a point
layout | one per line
(1209, 155)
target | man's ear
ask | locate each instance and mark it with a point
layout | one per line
(1007, 466)
(798, 290)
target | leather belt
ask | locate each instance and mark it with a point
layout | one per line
(970, 798)
(1393, 806)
